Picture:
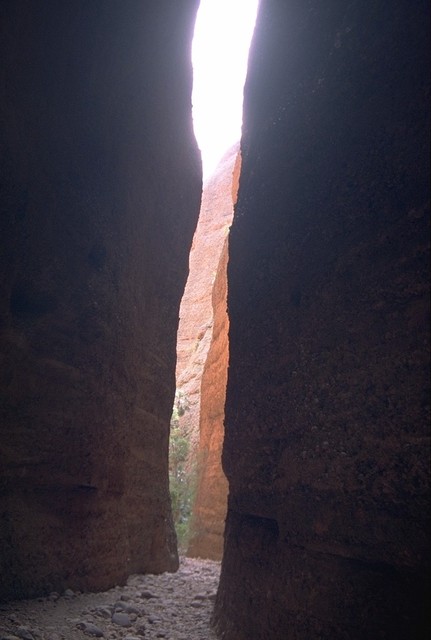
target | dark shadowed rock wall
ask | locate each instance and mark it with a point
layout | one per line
(326, 431)
(101, 185)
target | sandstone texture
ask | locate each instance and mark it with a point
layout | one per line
(209, 510)
(202, 351)
(327, 411)
(101, 185)
(326, 446)
(196, 312)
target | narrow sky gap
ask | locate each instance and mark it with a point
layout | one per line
(221, 43)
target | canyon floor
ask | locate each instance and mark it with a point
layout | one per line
(174, 606)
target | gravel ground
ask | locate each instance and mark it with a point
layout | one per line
(174, 606)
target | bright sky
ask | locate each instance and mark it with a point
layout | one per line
(221, 42)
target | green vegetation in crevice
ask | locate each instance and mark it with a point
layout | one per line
(182, 474)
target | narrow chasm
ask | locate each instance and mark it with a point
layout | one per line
(198, 484)
(320, 404)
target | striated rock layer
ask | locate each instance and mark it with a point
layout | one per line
(209, 509)
(327, 411)
(101, 185)
(195, 328)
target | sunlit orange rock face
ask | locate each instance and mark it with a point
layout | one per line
(210, 505)
(209, 510)
(196, 312)
(203, 354)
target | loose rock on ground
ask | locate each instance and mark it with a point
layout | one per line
(174, 606)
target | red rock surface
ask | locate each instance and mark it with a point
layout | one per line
(209, 511)
(101, 187)
(203, 355)
(327, 407)
(196, 312)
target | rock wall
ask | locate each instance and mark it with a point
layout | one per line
(101, 186)
(327, 411)
(195, 329)
(209, 510)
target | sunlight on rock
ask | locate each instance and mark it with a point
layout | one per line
(221, 43)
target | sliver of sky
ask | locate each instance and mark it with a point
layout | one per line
(220, 48)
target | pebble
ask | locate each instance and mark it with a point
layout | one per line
(174, 606)
(104, 612)
(24, 633)
(90, 629)
(122, 619)
(53, 596)
(130, 608)
(127, 608)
